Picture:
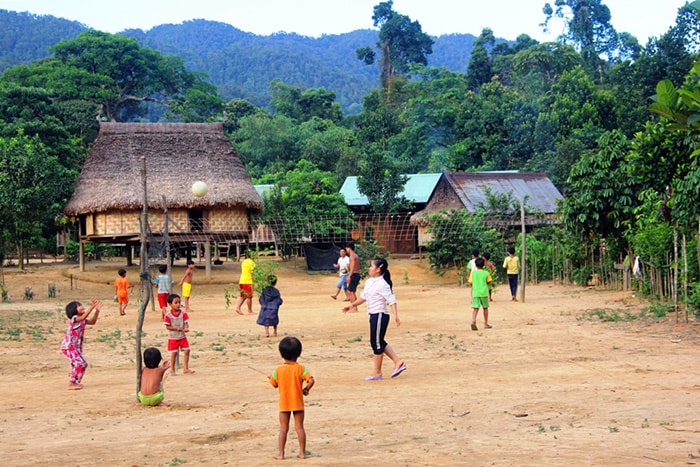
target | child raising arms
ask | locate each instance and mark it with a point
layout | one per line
(72, 344)
(289, 378)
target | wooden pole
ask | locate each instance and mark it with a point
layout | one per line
(145, 279)
(523, 266)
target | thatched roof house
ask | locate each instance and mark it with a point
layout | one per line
(108, 197)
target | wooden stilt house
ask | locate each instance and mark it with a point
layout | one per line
(108, 198)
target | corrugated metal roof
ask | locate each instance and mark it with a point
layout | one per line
(264, 189)
(418, 189)
(537, 187)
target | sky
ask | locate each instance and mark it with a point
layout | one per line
(507, 18)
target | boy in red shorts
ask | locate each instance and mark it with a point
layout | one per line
(178, 323)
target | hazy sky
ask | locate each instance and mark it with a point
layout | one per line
(507, 18)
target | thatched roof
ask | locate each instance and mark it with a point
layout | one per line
(176, 155)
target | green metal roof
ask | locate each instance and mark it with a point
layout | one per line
(418, 189)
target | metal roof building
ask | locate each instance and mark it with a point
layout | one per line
(418, 190)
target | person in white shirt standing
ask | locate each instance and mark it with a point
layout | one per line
(343, 266)
(378, 293)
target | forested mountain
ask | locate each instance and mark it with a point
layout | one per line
(25, 37)
(240, 64)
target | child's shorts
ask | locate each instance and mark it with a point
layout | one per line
(186, 289)
(163, 300)
(153, 399)
(482, 302)
(176, 344)
(246, 290)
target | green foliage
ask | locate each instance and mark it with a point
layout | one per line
(367, 251)
(402, 42)
(302, 106)
(31, 185)
(263, 273)
(454, 234)
(601, 197)
(115, 75)
(588, 27)
(694, 299)
(382, 182)
(479, 71)
(91, 250)
(306, 204)
(653, 242)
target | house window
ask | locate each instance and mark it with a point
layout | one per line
(196, 220)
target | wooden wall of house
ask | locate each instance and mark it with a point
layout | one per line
(394, 233)
(120, 223)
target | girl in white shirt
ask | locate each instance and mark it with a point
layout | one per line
(378, 294)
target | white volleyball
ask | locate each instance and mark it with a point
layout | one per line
(199, 189)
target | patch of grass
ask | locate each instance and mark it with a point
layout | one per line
(355, 339)
(609, 315)
(432, 337)
(110, 338)
(215, 346)
(658, 310)
(654, 311)
(11, 334)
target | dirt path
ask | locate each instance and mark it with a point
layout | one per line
(547, 385)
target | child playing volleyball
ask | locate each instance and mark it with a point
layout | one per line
(72, 344)
(178, 323)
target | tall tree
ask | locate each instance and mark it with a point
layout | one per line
(117, 76)
(479, 71)
(382, 182)
(32, 185)
(402, 42)
(602, 196)
(302, 106)
(588, 27)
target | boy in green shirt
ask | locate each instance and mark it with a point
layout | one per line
(480, 280)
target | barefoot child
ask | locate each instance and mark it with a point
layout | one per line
(178, 323)
(165, 288)
(121, 290)
(289, 378)
(151, 392)
(72, 344)
(270, 302)
(480, 280)
(186, 284)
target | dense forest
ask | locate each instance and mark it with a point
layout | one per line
(240, 64)
(613, 123)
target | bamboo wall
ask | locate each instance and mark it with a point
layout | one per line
(122, 223)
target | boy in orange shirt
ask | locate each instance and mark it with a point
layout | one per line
(289, 378)
(121, 290)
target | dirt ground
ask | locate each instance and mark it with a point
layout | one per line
(548, 385)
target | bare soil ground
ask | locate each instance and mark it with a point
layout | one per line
(548, 385)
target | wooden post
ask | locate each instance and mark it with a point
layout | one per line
(207, 258)
(145, 279)
(523, 266)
